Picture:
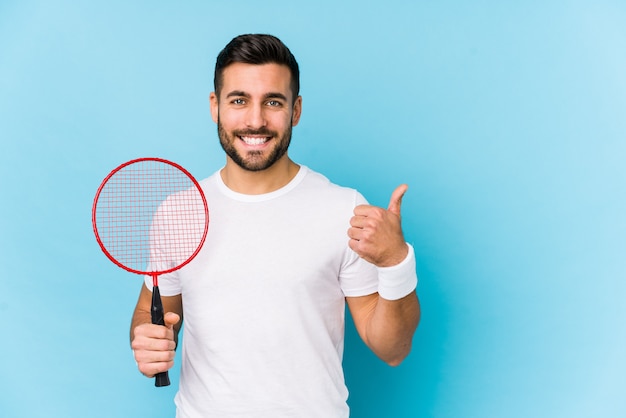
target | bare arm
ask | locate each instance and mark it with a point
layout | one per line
(154, 345)
(386, 324)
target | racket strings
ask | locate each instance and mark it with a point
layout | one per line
(150, 215)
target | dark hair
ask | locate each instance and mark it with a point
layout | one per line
(256, 49)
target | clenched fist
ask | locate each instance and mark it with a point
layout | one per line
(154, 346)
(376, 233)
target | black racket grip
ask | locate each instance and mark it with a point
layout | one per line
(156, 313)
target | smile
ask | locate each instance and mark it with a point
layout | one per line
(255, 140)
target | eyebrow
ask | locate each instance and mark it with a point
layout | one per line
(237, 93)
(271, 95)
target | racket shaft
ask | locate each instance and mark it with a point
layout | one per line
(156, 312)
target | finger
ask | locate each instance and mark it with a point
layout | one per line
(360, 221)
(171, 319)
(355, 234)
(152, 369)
(396, 199)
(143, 344)
(147, 331)
(369, 212)
(355, 245)
(155, 356)
(364, 210)
(362, 249)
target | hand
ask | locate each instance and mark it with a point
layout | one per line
(376, 233)
(154, 346)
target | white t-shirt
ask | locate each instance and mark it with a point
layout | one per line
(264, 302)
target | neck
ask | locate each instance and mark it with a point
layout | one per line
(259, 182)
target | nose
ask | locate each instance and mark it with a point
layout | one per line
(256, 117)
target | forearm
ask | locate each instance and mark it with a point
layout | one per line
(388, 319)
(391, 326)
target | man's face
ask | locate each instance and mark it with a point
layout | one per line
(255, 113)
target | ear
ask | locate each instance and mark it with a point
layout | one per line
(297, 111)
(213, 100)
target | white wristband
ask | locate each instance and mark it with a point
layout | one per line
(397, 281)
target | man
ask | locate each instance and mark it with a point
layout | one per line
(264, 299)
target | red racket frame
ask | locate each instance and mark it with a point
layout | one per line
(95, 228)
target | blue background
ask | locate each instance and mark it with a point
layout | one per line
(507, 119)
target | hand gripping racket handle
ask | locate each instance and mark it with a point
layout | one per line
(161, 379)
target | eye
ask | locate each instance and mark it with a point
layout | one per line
(274, 103)
(238, 102)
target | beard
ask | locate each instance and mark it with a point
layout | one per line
(254, 160)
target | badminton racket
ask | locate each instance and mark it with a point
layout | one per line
(150, 217)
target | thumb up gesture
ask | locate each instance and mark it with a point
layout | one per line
(376, 233)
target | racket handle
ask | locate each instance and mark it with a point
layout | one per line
(162, 379)
(156, 312)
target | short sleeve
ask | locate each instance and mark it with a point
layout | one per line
(357, 276)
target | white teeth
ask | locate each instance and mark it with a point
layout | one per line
(254, 140)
